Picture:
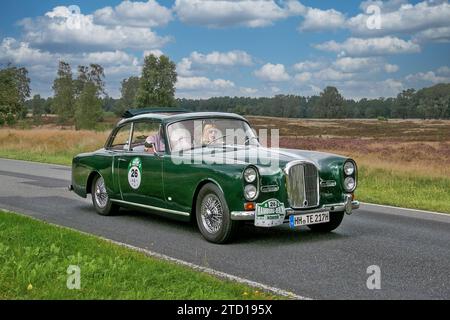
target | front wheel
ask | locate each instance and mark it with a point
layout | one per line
(100, 199)
(213, 216)
(335, 221)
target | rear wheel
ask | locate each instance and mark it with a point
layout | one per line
(100, 199)
(335, 221)
(213, 216)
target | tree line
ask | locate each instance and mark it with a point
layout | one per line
(82, 100)
(427, 103)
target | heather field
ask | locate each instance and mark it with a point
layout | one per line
(401, 162)
(415, 146)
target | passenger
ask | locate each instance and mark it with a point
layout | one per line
(155, 142)
(180, 139)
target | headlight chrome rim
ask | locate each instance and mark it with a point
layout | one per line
(250, 192)
(349, 184)
(250, 175)
(349, 168)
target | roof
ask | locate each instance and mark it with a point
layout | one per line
(134, 112)
(167, 117)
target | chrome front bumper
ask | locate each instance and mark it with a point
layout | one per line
(348, 206)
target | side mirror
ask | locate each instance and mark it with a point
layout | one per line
(126, 146)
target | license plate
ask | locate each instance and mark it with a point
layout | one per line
(269, 213)
(307, 219)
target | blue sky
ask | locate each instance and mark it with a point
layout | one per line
(238, 47)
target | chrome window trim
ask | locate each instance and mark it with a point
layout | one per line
(297, 162)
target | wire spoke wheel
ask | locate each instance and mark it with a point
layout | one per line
(100, 194)
(212, 213)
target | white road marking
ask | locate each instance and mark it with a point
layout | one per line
(406, 209)
(213, 272)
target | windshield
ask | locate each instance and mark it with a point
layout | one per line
(190, 134)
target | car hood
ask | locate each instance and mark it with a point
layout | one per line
(263, 157)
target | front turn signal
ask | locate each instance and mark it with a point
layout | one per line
(249, 206)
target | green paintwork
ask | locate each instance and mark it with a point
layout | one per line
(172, 187)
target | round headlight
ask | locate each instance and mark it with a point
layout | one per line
(250, 174)
(250, 192)
(349, 184)
(349, 168)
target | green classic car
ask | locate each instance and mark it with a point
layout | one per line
(212, 168)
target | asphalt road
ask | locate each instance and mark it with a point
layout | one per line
(411, 248)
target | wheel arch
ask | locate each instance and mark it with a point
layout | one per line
(200, 185)
(91, 177)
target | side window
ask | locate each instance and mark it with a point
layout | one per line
(120, 140)
(146, 133)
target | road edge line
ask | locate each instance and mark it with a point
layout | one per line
(406, 209)
(216, 273)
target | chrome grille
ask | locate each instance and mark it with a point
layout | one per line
(302, 185)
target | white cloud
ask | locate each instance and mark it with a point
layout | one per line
(275, 89)
(230, 58)
(444, 70)
(386, 6)
(370, 46)
(17, 52)
(198, 61)
(428, 77)
(308, 65)
(364, 64)
(42, 65)
(249, 13)
(348, 64)
(353, 75)
(61, 30)
(110, 57)
(184, 67)
(399, 17)
(248, 91)
(155, 52)
(441, 34)
(391, 68)
(202, 83)
(317, 20)
(134, 14)
(272, 72)
(330, 74)
(303, 77)
(358, 89)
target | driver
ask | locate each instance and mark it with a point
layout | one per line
(210, 134)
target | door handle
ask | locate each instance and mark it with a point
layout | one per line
(122, 159)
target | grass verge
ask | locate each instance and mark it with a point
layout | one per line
(401, 189)
(34, 257)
